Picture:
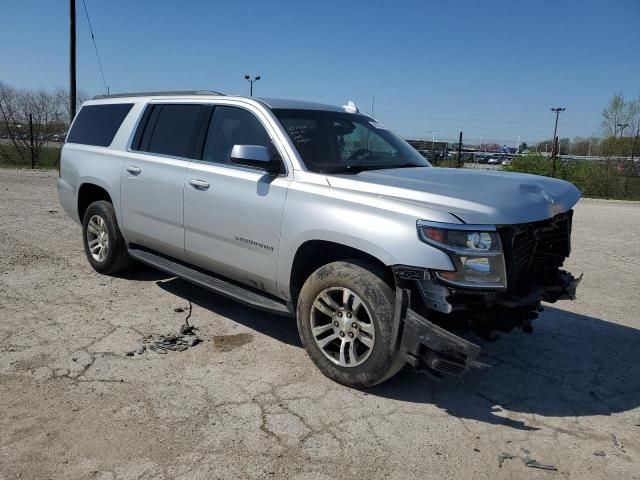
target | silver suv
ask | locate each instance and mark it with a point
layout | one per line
(321, 213)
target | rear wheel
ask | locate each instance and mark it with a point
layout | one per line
(104, 245)
(345, 319)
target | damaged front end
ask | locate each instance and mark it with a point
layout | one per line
(432, 311)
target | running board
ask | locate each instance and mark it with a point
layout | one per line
(210, 282)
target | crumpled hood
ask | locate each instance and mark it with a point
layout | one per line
(476, 196)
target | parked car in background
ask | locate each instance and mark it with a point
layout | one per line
(320, 213)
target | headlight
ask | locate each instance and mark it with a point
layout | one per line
(475, 250)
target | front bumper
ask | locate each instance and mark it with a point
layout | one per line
(430, 347)
(426, 346)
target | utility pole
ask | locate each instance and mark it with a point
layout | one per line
(33, 162)
(554, 149)
(72, 60)
(251, 81)
(460, 150)
(632, 165)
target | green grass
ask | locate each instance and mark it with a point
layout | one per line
(47, 161)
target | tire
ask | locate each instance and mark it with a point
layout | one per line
(109, 254)
(371, 360)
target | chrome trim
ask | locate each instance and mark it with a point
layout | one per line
(237, 167)
(457, 226)
(467, 252)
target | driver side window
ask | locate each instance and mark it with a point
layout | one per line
(232, 126)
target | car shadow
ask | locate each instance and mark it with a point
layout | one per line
(281, 328)
(572, 365)
(143, 273)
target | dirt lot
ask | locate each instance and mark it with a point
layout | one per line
(248, 403)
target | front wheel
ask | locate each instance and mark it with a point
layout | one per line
(345, 319)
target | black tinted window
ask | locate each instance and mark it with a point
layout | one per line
(98, 124)
(174, 130)
(233, 126)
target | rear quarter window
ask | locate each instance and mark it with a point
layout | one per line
(98, 124)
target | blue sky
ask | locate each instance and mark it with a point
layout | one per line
(490, 68)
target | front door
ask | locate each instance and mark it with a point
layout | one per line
(233, 214)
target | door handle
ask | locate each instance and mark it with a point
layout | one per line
(199, 184)
(133, 170)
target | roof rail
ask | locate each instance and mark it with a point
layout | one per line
(158, 94)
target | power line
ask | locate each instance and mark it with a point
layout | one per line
(93, 38)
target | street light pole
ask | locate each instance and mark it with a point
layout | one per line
(554, 149)
(251, 80)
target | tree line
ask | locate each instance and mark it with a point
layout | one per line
(620, 131)
(31, 118)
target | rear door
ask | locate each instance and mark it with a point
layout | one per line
(233, 214)
(152, 193)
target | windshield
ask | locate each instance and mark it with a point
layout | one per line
(336, 142)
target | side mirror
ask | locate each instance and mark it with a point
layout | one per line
(256, 156)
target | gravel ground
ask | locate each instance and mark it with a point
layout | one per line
(248, 403)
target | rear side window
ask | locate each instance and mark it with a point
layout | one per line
(98, 124)
(171, 129)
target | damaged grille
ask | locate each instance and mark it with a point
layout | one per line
(534, 251)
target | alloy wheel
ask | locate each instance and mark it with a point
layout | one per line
(98, 238)
(342, 327)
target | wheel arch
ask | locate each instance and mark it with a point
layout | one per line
(87, 194)
(312, 254)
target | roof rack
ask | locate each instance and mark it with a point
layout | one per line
(158, 94)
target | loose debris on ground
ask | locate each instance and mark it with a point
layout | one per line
(533, 463)
(527, 459)
(178, 343)
(171, 342)
(502, 457)
(617, 442)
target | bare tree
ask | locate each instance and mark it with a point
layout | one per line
(63, 98)
(617, 113)
(634, 123)
(12, 123)
(30, 117)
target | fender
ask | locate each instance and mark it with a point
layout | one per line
(383, 228)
